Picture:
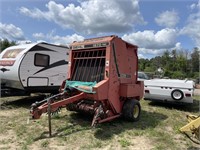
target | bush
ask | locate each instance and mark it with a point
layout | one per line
(196, 75)
(178, 75)
(168, 73)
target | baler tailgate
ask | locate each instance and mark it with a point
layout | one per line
(89, 65)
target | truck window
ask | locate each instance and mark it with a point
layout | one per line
(41, 60)
(142, 75)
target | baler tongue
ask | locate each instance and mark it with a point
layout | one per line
(72, 93)
(57, 102)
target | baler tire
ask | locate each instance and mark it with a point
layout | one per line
(131, 110)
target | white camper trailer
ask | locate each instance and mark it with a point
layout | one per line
(38, 67)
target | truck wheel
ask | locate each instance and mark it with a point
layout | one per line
(131, 110)
(177, 94)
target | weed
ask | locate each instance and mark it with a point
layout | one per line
(24, 147)
(124, 143)
(92, 145)
(45, 143)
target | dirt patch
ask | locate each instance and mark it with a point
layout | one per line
(8, 140)
(197, 86)
(141, 142)
(197, 91)
(9, 113)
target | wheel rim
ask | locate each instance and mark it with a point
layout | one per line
(177, 95)
(136, 111)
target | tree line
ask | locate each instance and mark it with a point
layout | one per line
(6, 43)
(177, 64)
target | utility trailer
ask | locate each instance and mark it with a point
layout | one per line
(36, 67)
(102, 81)
(169, 90)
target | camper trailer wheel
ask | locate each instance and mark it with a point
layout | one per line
(131, 110)
(177, 94)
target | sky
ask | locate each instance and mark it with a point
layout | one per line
(153, 25)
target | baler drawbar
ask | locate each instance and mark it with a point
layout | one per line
(102, 81)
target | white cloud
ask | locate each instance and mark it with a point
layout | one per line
(195, 5)
(153, 43)
(149, 39)
(141, 56)
(66, 39)
(11, 32)
(93, 16)
(52, 38)
(149, 53)
(38, 35)
(167, 19)
(23, 42)
(146, 51)
(192, 28)
(178, 46)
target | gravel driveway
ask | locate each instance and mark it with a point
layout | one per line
(197, 92)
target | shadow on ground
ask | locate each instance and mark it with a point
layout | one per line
(75, 122)
(78, 122)
(19, 101)
(194, 108)
(148, 120)
(194, 148)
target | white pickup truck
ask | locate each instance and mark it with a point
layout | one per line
(169, 90)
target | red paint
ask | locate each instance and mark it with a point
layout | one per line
(7, 62)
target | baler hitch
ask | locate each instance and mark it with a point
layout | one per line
(56, 102)
(51, 98)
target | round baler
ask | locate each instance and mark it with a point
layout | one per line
(102, 81)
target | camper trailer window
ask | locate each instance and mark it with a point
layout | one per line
(12, 53)
(41, 60)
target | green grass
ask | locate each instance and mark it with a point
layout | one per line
(124, 142)
(158, 128)
(45, 143)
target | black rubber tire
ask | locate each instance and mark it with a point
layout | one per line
(131, 110)
(175, 96)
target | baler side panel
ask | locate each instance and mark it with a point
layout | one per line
(127, 61)
(132, 90)
(107, 65)
(122, 61)
(70, 64)
(113, 88)
(133, 63)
